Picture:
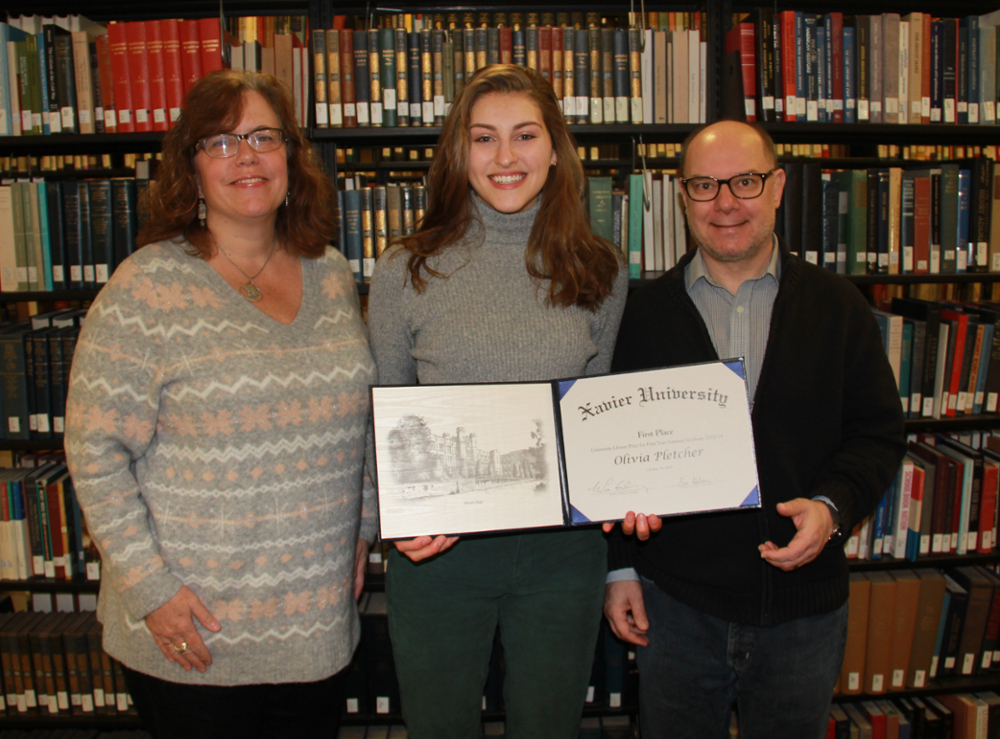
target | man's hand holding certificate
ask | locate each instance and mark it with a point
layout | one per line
(476, 458)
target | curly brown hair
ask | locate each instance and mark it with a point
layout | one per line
(213, 105)
(580, 266)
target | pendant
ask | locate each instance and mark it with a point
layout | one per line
(251, 292)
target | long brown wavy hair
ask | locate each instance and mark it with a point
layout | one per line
(580, 266)
(215, 105)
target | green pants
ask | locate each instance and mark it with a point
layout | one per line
(546, 591)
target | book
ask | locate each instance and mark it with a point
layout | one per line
(599, 199)
(908, 587)
(928, 614)
(979, 588)
(881, 616)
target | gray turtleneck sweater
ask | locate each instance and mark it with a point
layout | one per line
(487, 321)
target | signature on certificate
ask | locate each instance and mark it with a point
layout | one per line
(693, 481)
(611, 486)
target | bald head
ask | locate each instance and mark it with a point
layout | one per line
(728, 135)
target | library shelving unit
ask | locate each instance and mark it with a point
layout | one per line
(718, 16)
(863, 136)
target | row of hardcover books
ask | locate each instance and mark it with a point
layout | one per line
(35, 361)
(908, 627)
(370, 217)
(943, 501)
(373, 216)
(945, 355)
(945, 716)
(42, 531)
(71, 75)
(594, 727)
(409, 74)
(74, 734)
(371, 687)
(54, 664)
(63, 234)
(935, 219)
(885, 220)
(887, 68)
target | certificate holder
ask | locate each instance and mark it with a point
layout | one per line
(460, 459)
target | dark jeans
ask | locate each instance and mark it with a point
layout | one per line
(270, 711)
(696, 665)
(545, 590)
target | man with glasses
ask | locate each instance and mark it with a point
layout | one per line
(750, 606)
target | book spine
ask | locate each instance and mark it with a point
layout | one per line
(849, 73)
(531, 47)
(437, 74)
(876, 70)
(635, 74)
(353, 249)
(322, 107)
(57, 245)
(427, 77)
(40, 82)
(505, 39)
(367, 233)
(347, 84)
(607, 37)
(210, 34)
(375, 77)
(101, 229)
(569, 74)
(596, 75)
(764, 66)
(480, 42)
(190, 54)
(448, 71)
(402, 76)
(545, 54)
(518, 44)
(621, 75)
(362, 80)
(62, 75)
(414, 77)
(949, 71)
(157, 80)
(118, 47)
(333, 95)
(139, 76)
(811, 67)
(581, 76)
(41, 385)
(96, 111)
(835, 39)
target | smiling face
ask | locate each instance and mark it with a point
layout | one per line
(729, 229)
(250, 187)
(510, 151)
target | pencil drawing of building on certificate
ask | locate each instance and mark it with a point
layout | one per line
(466, 458)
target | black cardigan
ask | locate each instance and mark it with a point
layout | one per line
(826, 420)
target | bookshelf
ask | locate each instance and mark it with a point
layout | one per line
(329, 140)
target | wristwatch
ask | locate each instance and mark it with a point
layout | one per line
(837, 534)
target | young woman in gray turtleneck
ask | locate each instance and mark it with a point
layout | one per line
(504, 281)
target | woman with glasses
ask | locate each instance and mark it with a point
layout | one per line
(216, 431)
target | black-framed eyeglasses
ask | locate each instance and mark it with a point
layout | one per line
(225, 145)
(746, 186)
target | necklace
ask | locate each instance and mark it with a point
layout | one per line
(248, 290)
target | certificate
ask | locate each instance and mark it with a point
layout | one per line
(664, 441)
(458, 459)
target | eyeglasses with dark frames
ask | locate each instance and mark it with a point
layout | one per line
(746, 186)
(225, 145)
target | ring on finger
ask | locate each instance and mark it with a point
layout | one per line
(182, 647)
